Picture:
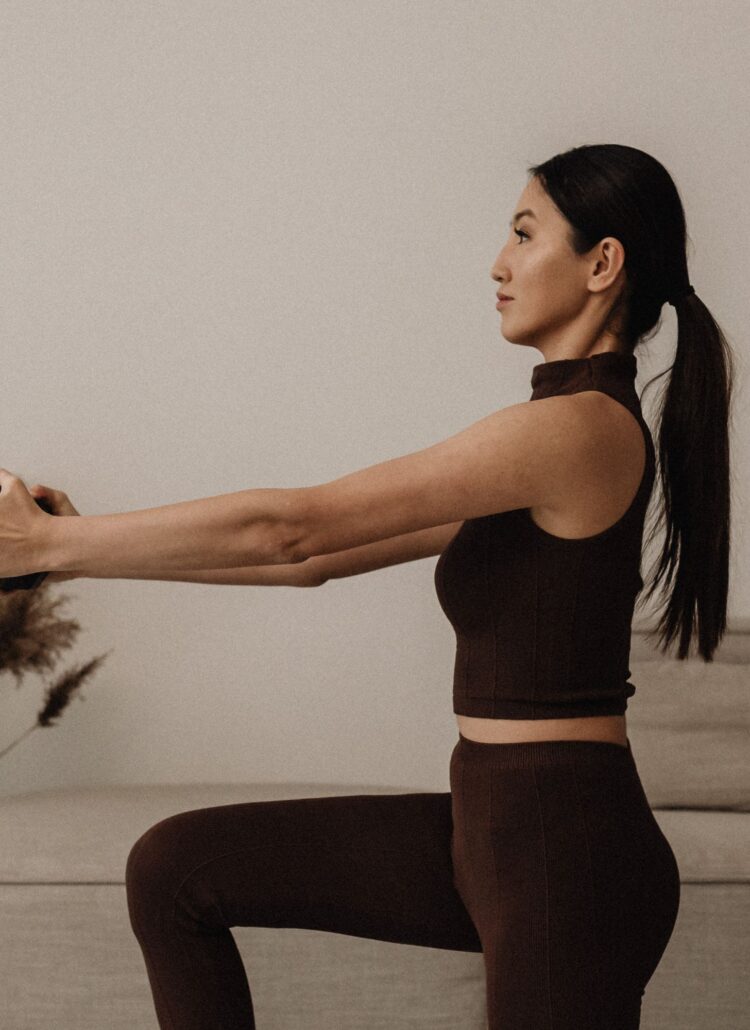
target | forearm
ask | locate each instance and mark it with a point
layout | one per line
(227, 531)
(295, 574)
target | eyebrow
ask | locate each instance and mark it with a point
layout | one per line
(520, 214)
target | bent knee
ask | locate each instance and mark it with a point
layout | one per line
(151, 860)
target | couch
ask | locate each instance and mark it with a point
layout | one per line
(69, 960)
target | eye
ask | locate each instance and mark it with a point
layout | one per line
(520, 233)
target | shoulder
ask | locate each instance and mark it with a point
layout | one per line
(611, 423)
(559, 427)
(607, 447)
(586, 440)
(593, 415)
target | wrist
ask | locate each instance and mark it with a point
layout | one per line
(54, 553)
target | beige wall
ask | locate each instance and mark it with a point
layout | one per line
(249, 244)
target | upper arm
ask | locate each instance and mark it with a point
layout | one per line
(521, 456)
(423, 543)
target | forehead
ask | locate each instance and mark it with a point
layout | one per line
(535, 198)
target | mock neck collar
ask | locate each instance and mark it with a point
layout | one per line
(559, 372)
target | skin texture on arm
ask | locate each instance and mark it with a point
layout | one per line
(293, 574)
(247, 527)
(318, 570)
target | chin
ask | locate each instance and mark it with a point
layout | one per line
(519, 338)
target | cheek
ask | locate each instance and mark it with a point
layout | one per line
(546, 271)
(544, 285)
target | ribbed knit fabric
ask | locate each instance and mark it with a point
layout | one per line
(544, 855)
(543, 622)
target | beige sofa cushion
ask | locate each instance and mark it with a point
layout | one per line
(689, 727)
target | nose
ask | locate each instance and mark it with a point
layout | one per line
(497, 271)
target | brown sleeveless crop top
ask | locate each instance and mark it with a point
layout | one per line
(543, 622)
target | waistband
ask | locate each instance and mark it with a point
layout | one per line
(524, 754)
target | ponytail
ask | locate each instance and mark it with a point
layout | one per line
(694, 471)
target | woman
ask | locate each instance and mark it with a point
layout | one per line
(545, 855)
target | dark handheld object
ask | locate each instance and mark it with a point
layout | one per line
(31, 579)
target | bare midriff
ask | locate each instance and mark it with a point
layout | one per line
(610, 728)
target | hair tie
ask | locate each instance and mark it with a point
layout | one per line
(681, 296)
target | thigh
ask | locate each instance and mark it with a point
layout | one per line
(376, 866)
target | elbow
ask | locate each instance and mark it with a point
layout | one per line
(294, 534)
(295, 553)
(277, 535)
(285, 549)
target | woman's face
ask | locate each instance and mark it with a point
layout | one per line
(560, 299)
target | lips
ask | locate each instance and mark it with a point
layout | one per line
(503, 296)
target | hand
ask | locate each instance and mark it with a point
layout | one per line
(60, 504)
(58, 501)
(23, 528)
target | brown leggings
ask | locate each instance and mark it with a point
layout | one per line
(545, 856)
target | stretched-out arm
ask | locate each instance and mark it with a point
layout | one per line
(529, 454)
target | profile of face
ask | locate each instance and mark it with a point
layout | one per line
(561, 300)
